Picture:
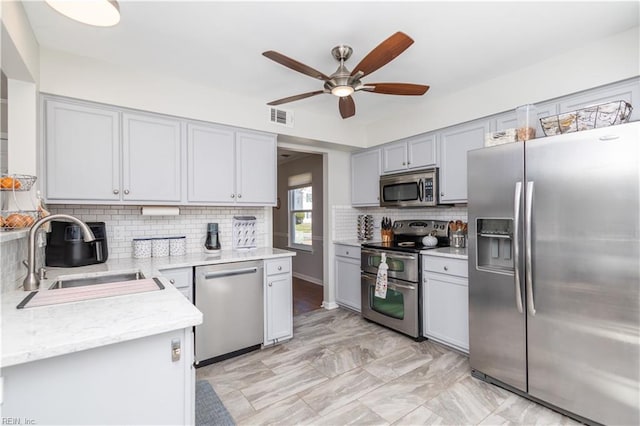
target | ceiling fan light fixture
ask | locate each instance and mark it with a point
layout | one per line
(99, 13)
(342, 91)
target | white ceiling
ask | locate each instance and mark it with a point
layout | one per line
(457, 44)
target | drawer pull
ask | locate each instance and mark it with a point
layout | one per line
(446, 268)
(172, 281)
(279, 268)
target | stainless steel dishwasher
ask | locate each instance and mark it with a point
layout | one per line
(230, 297)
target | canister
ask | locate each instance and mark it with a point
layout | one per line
(160, 247)
(527, 118)
(177, 246)
(141, 248)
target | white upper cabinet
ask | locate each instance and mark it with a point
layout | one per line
(82, 152)
(151, 158)
(211, 164)
(230, 167)
(365, 178)
(413, 153)
(455, 142)
(256, 168)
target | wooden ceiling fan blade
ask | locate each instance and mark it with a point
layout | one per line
(396, 88)
(384, 53)
(347, 106)
(294, 65)
(295, 97)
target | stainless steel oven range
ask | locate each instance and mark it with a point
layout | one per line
(401, 310)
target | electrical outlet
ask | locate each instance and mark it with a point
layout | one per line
(118, 233)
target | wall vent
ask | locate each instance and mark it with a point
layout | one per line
(281, 116)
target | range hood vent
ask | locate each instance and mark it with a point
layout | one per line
(281, 117)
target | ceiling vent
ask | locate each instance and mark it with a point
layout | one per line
(281, 116)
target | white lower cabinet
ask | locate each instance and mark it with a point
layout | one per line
(133, 382)
(278, 301)
(182, 279)
(347, 267)
(446, 301)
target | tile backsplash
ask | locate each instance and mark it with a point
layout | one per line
(124, 223)
(346, 218)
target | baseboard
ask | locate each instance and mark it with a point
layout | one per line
(330, 305)
(308, 278)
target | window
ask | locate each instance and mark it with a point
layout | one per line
(300, 206)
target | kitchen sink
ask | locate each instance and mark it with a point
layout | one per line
(95, 278)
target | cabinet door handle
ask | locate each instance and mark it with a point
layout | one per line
(233, 195)
(347, 253)
(279, 268)
(446, 268)
(442, 194)
(126, 192)
(239, 195)
(270, 284)
(404, 163)
(115, 191)
(172, 281)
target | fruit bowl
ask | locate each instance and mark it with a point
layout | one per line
(20, 219)
(16, 182)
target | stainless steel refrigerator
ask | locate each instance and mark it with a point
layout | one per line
(554, 270)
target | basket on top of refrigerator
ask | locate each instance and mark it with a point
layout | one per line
(590, 117)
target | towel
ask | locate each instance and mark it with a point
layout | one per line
(381, 279)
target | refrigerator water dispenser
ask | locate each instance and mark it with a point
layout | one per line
(495, 245)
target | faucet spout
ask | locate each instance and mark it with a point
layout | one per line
(32, 280)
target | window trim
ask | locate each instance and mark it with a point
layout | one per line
(291, 223)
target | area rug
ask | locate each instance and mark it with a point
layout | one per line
(209, 409)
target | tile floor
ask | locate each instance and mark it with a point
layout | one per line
(340, 369)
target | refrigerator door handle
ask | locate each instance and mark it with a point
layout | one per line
(531, 307)
(517, 198)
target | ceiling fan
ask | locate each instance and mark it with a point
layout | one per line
(343, 83)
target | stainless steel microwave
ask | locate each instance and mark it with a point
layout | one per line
(414, 189)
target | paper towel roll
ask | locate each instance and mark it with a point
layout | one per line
(160, 211)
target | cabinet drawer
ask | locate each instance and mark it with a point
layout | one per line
(444, 265)
(348, 251)
(279, 266)
(180, 278)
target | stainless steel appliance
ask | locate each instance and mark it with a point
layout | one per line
(401, 310)
(67, 248)
(230, 297)
(414, 189)
(554, 271)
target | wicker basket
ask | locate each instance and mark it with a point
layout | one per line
(591, 117)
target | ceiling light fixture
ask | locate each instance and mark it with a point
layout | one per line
(100, 13)
(342, 91)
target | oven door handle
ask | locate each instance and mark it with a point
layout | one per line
(391, 283)
(390, 255)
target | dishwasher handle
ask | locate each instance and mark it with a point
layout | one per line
(229, 273)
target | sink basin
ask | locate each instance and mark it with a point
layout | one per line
(96, 278)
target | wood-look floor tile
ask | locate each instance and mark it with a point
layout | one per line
(392, 400)
(496, 420)
(469, 401)
(332, 364)
(288, 411)
(522, 411)
(396, 363)
(421, 416)
(237, 405)
(354, 413)
(340, 390)
(236, 379)
(278, 387)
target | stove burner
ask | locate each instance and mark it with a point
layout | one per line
(407, 244)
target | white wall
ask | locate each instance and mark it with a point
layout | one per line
(605, 61)
(84, 78)
(20, 50)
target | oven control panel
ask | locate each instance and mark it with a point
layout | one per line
(420, 227)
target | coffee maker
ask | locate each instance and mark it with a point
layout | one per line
(212, 242)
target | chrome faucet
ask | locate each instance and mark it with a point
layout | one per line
(32, 281)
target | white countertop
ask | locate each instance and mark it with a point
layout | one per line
(42, 332)
(452, 252)
(354, 243)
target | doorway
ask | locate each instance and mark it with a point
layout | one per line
(298, 224)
